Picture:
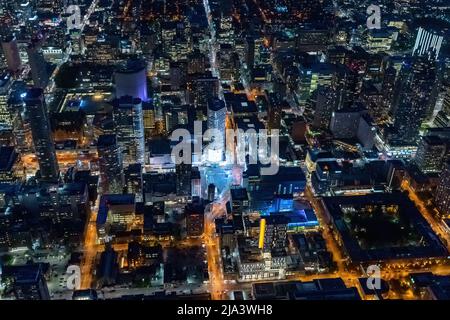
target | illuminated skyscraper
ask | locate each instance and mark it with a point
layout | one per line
(19, 122)
(428, 42)
(217, 112)
(183, 175)
(388, 87)
(202, 89)
(11, 52)
(38, 65)
(42, 137)
(149, 118)
(129, 124)
(110, 164)
(442, 198)
(414, 102)
(5, 85)
(431, 154)
(442, 118)
(325, 105)
(196, 185)
(274, 111)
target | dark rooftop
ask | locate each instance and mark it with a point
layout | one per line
(7, 158)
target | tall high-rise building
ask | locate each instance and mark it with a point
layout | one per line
(274, 111)
(196, 183)
(442, 118)
(5, 86)
(228, 63)
(183, 176)
(431, 154)
(129, 124)
(41, 132)
(177, 74)
(131, 80)
(38, 65)
(202, 89)
(11, 52)
(250, 52)
(197, 62)
(29, 282)
(108, 267)
(195, 219)
(148, 111)
(442, 195)
(415, 88)
(325, 105)
(176, 115)
(388, 86)
(446, 101)
(211, 192)
(110, 164)
(216, 121)
(344, 123)
(20, 125)
(428, 42)
(217, 113)
(133, 180)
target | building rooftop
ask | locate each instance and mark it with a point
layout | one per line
(125, 101)
(107, 140)
(239, 103)
(406, 237)
(29, 273)
(73, 188)
(249, 122)
(321, 289)
(8, 158)
(438, 286)
(216, 104)
(106, 201)
(132, 66)
(159, 146)
(384, 287)
(239, 194)
(433, 140)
